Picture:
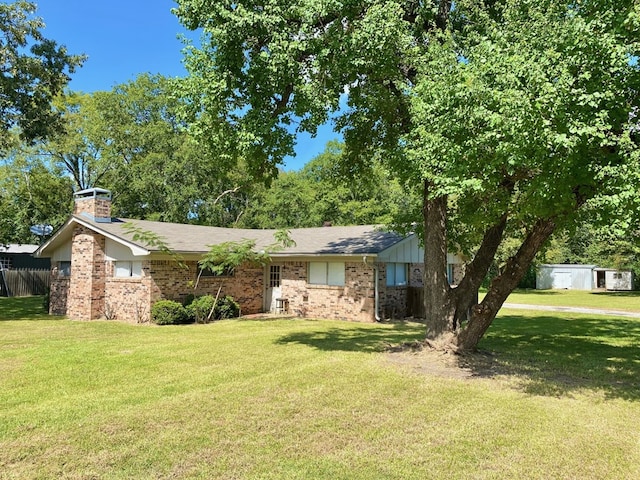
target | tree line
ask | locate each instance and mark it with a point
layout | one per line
(132, 141)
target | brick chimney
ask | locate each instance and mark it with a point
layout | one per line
(94, 203)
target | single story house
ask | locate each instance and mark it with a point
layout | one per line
(99, 270)
(582, 277)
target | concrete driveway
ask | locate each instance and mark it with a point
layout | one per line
(596, 311)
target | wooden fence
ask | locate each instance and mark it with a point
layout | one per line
(415, 302)
(24, 282)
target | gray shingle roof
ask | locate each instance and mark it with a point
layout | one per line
(185, 238)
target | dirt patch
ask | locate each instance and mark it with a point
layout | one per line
(428, 361)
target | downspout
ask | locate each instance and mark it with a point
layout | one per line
(376, 295)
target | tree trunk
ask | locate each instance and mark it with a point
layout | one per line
(484, 313)
(436, 286)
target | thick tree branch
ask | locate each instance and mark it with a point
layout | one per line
(465, 294)
(483, 314)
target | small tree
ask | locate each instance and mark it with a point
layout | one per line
(227, 256)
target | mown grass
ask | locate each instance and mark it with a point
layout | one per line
(299, 399)
(623, 301)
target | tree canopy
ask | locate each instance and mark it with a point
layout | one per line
(33, 71)
(506, 118)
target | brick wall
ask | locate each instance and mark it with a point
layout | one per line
(168, 281)
(58, 292)
(354, 301)
(96, 207)
(127, 299)
(393, 300)
(86, 292)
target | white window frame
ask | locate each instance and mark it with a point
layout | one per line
(327, 273)
(127, 269)
(397, 274)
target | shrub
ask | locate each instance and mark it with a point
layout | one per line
(199, 309)
(226, 307)
(187, 300)
(168, 312)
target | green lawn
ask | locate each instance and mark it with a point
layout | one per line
(624, 301)
(557, 397)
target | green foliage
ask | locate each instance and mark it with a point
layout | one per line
(168, 312)
(521, 106)
(46, 302)
(227, 307)
(605, 247)
(324, 191)
(132, 141)
(35, 70)
(200, 308)
(207, 307)
(535, 121)
(227, 256)
(31, 193)
(187, 300)
(154, 241)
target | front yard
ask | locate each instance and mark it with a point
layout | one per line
(550, 396)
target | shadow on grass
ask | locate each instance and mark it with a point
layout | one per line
(374, 338)
(22, 308)
(545, 355)
(634, 294)
(555, 355)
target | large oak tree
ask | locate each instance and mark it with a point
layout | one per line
(508, 118)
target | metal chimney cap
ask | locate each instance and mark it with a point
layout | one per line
(93, 193)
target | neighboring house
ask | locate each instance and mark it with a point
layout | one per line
(582, 277)
(357, 273)
(21, 274)
(20, 256)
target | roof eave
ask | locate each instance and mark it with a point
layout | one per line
(136, 249)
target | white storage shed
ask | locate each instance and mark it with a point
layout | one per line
(612, 279)
(568, 277)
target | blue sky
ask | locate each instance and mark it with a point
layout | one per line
(123, 38)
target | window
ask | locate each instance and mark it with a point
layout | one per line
(128, 269)
(227, 272)
(396, 274)
(64, 269)
(450, 273)
(617, 275)
(326, 273)
(274, 276)
(5, 263)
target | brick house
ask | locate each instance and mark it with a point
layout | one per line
(359, 273)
